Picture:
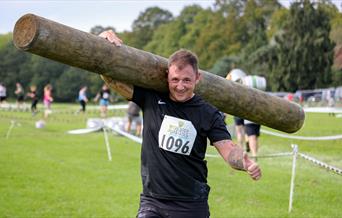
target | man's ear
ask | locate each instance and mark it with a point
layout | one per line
(198, 77)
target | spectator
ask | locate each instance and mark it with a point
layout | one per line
(47, 99)
(34, 99)
(82, 98)
(103, 96)
(19, 92)
(3, 94)
(133, 114)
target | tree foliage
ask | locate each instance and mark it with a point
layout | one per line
(147, 22)
(293, 48)
(304, 49)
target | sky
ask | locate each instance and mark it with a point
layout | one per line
(84, 15)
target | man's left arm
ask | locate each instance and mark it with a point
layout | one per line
(237, 158)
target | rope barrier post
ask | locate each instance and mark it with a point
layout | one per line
(107, 144)
(10, 129)
(295, 152)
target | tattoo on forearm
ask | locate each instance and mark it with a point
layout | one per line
(235, 159)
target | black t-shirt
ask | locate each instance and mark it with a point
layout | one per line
(174, 145)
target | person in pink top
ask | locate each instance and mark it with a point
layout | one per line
(47, 99)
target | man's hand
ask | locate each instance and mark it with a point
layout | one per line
(237, 158)
(111, 37)
(251, 167)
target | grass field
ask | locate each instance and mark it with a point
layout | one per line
(48, 173)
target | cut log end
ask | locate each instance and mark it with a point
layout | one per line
(301, 119)
(25, 31)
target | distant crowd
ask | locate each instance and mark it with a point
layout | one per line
(103, 97)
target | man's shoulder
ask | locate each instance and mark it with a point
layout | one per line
(204, 104)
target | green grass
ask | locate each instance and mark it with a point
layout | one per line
(48, 173)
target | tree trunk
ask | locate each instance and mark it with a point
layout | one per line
(70, 46)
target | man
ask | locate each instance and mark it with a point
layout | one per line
(82, 98)
(133, 115)
(253, 129)
(236, 75)
(19, 92)
(253, 132)
(177, 125)
(104, 97)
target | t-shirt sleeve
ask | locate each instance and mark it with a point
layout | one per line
(139, 96)
(218, 130)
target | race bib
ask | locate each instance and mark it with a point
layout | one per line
(177, 135)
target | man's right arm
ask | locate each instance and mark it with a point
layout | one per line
(124, 89)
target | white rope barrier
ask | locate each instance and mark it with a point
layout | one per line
(335, 137)
(321, 164)
(126, 134)
(69, 110)
(322, 109)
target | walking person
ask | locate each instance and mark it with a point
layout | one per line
(19, 92)
(253, 132)
(34, 99)
(133, 115)
(104, 97)
(175, 134)
(47, 99)
(3, 94)
(82, 98)
(236, 75)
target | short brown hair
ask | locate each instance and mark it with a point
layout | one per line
(183, 57)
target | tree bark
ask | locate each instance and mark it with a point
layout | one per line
(70, 46)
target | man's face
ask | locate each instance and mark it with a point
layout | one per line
(182, 82)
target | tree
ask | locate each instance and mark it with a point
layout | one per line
(147, 22)
(173, 35)
(224, 65)
(12, 68)
(253, 28)
(227, 6)
(304, 49)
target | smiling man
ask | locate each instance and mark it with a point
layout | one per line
(177, 125)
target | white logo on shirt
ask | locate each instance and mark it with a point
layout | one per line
(177, 135)
(161, 102)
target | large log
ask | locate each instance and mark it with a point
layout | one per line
(86, 51)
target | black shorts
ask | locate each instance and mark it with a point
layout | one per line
(252, 129)
(2, 98)
(20, 98)
(156, 208)
(134, 118)
(238, 121)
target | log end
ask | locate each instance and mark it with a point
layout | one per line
(300, 121)
(301, 117)
(25, 31)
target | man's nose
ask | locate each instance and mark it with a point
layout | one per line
(180, 85)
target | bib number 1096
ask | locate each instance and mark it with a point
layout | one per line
(176, 145)
(176, 135)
